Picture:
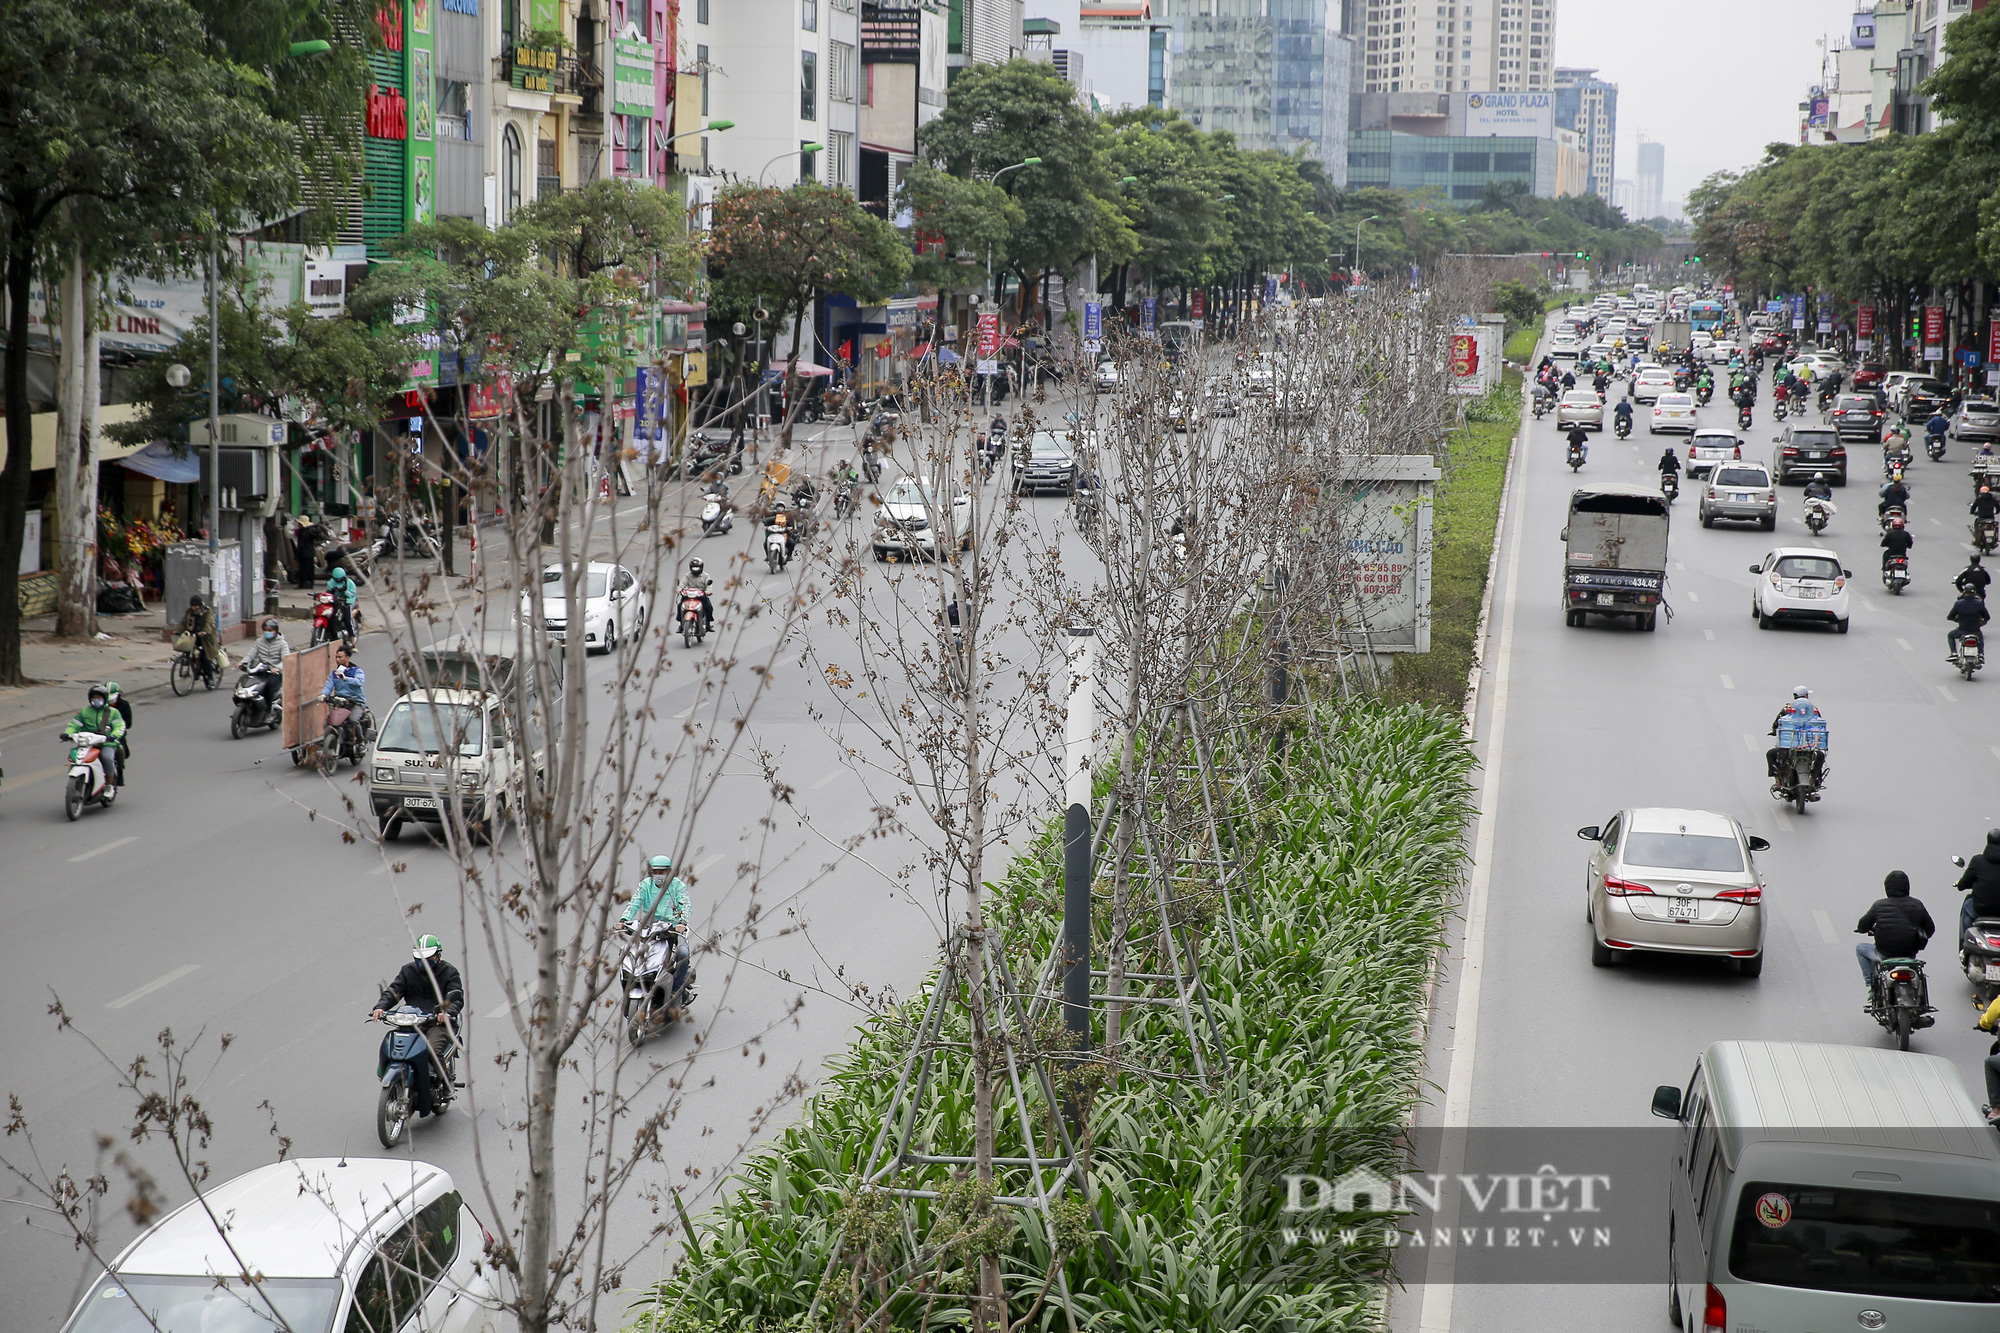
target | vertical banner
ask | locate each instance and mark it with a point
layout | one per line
(1933, 333)
(1198, 306)
(989, 343)
(1093, 326)
(422, 183)
(1147, 310)
(1993, 352)
(1270, 289)
(1864, 329)
(1824, 325)
(1798, 314)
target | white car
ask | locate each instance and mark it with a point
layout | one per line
(1672, 411)
(340, 1243)
(1720, 352)
(1709, 447)
(1650, 383)
(910, 515)
(1565, 345)
(1260, 376)
(1106, 378)
(1800, 583)
(614, 606)
(1580, 407)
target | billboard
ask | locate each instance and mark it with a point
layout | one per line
(1384, 557)
(1532, 115)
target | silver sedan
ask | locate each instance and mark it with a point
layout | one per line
(1674, 881)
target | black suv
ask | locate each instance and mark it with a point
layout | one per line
(1045, 462)
(1804, 450)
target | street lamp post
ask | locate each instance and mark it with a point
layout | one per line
(800, 151)
(992, 295)
(1372, 217)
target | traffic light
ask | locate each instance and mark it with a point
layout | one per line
(1583, 254)
(1547, 254)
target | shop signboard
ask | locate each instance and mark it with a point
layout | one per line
(632, 78)
(1385, 552)
(1933, 333)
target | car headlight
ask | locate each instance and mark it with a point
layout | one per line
(469, 778)
(385, 776)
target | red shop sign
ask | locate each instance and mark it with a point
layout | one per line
(1993, 343)
(388, 114)
(1198, 304)
(1464, 354)
(1864, 321)
(1933, 326)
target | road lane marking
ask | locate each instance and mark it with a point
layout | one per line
(706, 862)
(153, 985)
(1784, 822)
(1995, 749)
(99, 851)
(1752, 743)
(829, 779)
(1728, 684)
(1949, 697)
(684, 712)
(1906, 645)
(1825, 924)
(1693, 596)
(500, 1010)
(1434, 1316)
(1681, 567)
(1708, 634)
(1936, 524)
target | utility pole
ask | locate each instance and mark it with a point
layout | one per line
(1077, 775)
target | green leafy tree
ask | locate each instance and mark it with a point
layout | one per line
(116, 120)
(777, 248)
(1520, 303)
(958, 223)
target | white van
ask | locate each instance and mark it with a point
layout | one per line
(462, 734)
(1819, 1187)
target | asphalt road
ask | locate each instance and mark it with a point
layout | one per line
(1577, 723)
(208, 902)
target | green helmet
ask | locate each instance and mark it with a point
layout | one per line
(111, 688)
(427, 947)
(660, 865)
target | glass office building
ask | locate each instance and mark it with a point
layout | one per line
(1271, 72)
(1459, 166)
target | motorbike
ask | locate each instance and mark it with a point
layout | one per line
(777, 547)
(1985, 534)
(1084, 498)
(1702, 393)
(1971, 654)
(1934, 447)
(349, 731)
(881, 428)
(1979, 954)
(412, 1083)
(1801, 776)
(1891, 516)
(419, 538)
(1670, 486)
(1900, 998)
(693, 623)
(252, 710)
(1541, 404)
(1896, 458)
(1896, 573)
(1743, 418)
(1623, 427)
(330, 619)
(645, 975)
(86, 785)
(708, 454)
(843, 499)
(715, 517)
(1818, 513)
(1575, 459)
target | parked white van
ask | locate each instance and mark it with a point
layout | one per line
(1819, 1188)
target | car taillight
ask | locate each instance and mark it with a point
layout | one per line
(1739, 451)
(1839, 451)
(1751, 895)
(1714, 1312)
(1791, 451)
(1619, 888)
(1772, 497)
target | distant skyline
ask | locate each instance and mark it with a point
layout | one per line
(1712, 81)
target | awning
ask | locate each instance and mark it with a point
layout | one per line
(158, 460)
(921, 350)
(806, 369)
(947, 357)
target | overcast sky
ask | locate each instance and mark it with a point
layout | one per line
(1713, 80)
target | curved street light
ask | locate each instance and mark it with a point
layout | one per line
(800, 151)
(1372, 217)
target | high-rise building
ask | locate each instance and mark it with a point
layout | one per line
(1589, 105)
(1502, 46)
(1272, 74)
(1650, 187)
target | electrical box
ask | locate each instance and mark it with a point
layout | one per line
(249, 461)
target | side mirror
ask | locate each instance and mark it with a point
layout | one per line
(1758, 844)
(1591, 833)
(1847, 573)
(1756, 569)
(1958, 861)
(1667, 1102)
(1565, 534)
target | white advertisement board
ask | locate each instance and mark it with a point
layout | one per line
(1529, 115)
(1386, 552)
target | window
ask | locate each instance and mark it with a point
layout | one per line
(809, 15)
(701, 11)
(808, 85)
(1469, 161)
(1867, 1242)
(808, 161)
(1437, 161)
(548, 172)
(840, 148)
(512, 166)
(454, 110)
(1692, 851)
(840, 72)
(1521, 162)
(701, 66)
(636, 155)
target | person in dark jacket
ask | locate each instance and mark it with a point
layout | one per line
(1967, 614)
(1981, 883)
(1973, 579)
(1899, 926)
(430, 983)
(1896, 541)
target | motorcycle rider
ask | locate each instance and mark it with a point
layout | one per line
(1568, 380)
(97, 715)
(1973, 579)
(1818, 488)
(1937, 427)
(115, 696)
(1801, 708)
(266, 660)
(1894, 493)
(1981, 884)
(1579, 440)
(199, 621)
(432, 984)
(661, 896)
(1621, 417)
(1898, 925)
(1984, 505)
(345, 687)
(697, 579)
(1670, 462)
(1896, 541)
(345, 594)
(1989, 1022)
(1967, 614)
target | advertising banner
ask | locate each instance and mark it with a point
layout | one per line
(1093, 320)
(989, 344)
(1464, 354)
(1524, 115)
(1270, 289)
(1798, 313)
(1147, 310)
(1864, 329)
(1933, 333)
(1198, 306)
(1385, 552)
(632, 78)
(1993, 343)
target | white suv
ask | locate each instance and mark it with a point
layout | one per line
(339, 1243)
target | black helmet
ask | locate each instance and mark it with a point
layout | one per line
(694, 567)
(97, 696)
(1993, 837)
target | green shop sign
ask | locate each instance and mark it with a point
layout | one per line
(631, 78)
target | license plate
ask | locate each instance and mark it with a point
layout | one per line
(420, 803)
(1993, 971)
(1812, 592)
(1683, 909)
(1740, 497)
(1604, 599)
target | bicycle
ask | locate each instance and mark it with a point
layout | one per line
(192, 664)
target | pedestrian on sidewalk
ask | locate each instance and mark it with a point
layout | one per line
(305, 538)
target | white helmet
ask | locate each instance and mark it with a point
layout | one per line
(1802, 693)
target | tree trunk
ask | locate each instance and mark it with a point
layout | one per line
(989, 1311)
(791, 390)
(76, 458)
(20, 443)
